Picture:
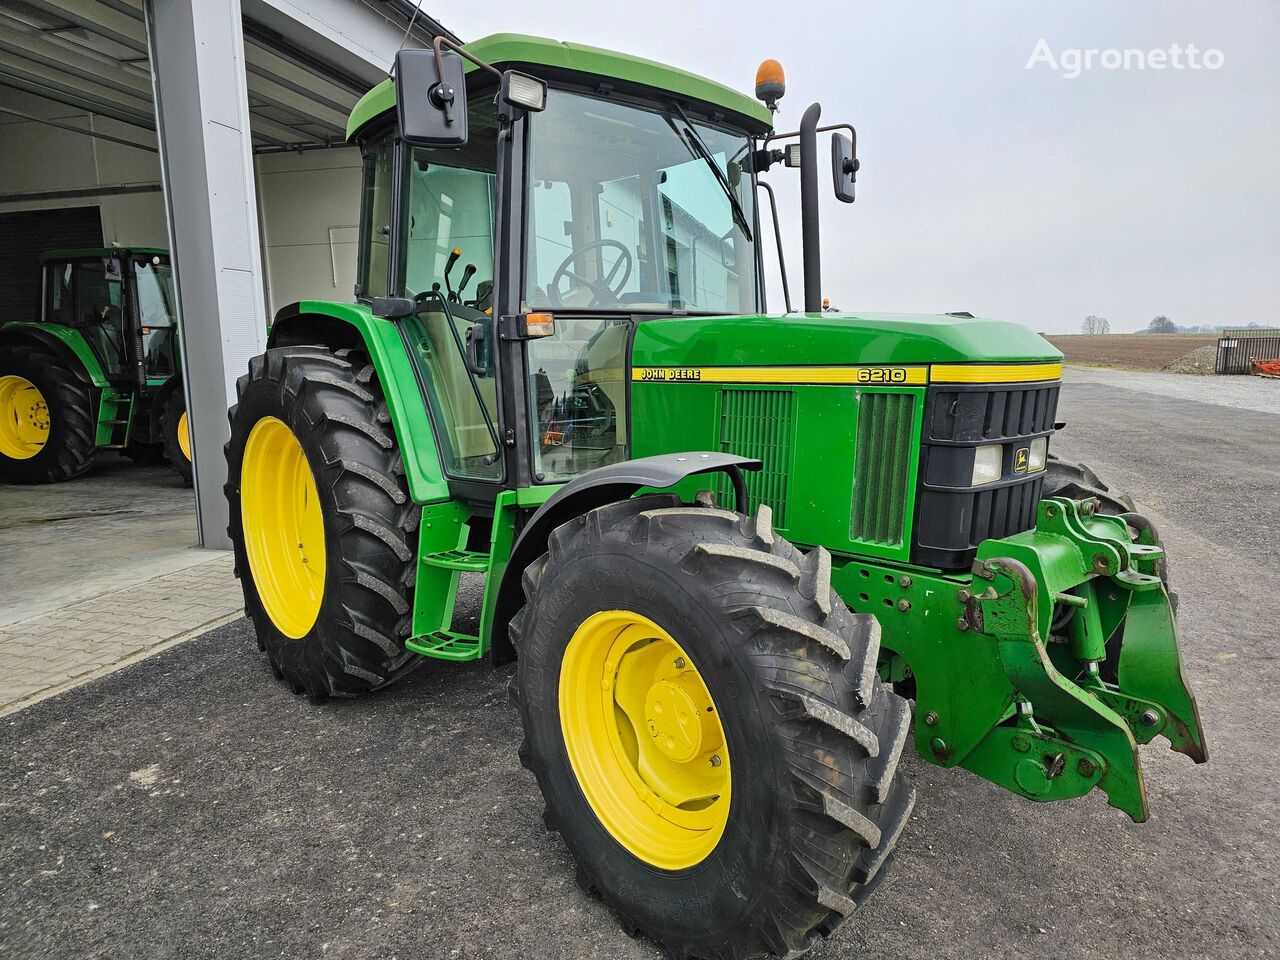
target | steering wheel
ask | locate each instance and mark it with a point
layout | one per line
(599, 288)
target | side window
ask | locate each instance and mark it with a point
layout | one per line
(62, 296)
(578, 387)
(375, 220)
(86, 299)
(450, 216)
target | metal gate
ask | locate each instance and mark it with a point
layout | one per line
(1237, 347)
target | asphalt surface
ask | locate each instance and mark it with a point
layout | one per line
(189, 806)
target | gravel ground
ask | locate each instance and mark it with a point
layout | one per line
(189, 806)
(1242, 392)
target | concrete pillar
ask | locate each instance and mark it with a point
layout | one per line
(206, 154)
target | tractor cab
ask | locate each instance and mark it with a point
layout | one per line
(122, 302)
(523, 253)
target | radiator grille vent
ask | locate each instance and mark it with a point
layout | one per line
(757, 424)
(882, 465)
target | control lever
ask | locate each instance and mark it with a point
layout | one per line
(454, 254)
(467, 274)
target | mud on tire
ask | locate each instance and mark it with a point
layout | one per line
(334, 406)
(814, 738)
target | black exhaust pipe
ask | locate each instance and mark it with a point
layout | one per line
(809, 208)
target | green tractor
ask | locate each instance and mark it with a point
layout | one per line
(726, 547)
(100, 369)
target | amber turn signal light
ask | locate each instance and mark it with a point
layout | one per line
(539, 325)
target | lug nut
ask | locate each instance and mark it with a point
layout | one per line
(715, 760)
(931, 718)
(904, 581)
(679, 664)
(904, 605)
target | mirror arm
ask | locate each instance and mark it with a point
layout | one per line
(440, 42)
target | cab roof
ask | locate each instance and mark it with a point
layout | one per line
(546, 58)
(82, 253)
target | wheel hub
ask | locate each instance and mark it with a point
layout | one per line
(673, 711)
(644, 739)
(24, 418)
(283, 527)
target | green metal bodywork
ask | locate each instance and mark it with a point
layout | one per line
(405, 401)
(514, 50)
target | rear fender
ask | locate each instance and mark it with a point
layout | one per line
(67, 343)
(341, 326)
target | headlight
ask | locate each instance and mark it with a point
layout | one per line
(987, 463)
(1039, 451)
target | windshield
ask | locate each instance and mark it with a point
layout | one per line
(626, 211)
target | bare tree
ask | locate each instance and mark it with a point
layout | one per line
(1093, 324)
(1162, 324)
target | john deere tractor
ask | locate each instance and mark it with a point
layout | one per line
(726, 547)
(99, 369)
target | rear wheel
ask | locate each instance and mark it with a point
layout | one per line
(47, 419)
(321, 521)
(705, 721)
(177, 434)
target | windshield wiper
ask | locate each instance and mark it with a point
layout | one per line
(699, 149)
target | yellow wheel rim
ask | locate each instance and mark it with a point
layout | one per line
(24, 418)
(184, 436)
(644, 739)
(283, 527)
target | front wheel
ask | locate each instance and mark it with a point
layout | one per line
(706, 724)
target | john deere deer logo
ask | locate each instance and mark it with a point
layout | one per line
(1020, 457)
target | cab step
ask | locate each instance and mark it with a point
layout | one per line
(446, 645)
(468, 561)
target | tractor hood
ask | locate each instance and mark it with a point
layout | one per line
(835, 339)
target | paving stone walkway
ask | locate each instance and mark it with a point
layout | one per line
(49, 652)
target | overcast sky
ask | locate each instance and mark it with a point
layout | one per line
(985, 186)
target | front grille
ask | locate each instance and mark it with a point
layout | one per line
(882, 467)
(952, 515)
(989, 413)
(757, 424)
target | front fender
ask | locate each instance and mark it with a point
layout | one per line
(618, 481)
(346, 325)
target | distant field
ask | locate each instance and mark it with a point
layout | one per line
(1133, 351)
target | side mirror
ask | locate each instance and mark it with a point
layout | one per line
(844, 166)
(432, 108)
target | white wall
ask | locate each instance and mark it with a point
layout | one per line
(300, 195)
(309, 203)
(36, 157)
